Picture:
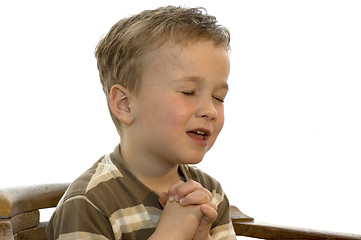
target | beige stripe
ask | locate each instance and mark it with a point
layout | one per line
(81, 236)
(105, 170)
(133, 219)
(217, 198)
(223, 232)
(154, 214)
(85, 199)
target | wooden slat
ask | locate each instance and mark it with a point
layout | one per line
(271, 231)
(26, 199)
(6, 232)
(37, 233)
(238, 216)
(24, 221)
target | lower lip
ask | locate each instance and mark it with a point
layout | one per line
(200, 141)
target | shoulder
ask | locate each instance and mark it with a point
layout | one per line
(80, 205)
(95, 184)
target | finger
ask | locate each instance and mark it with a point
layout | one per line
(172, 191)
(210, 213)
(197, 197)
(187, 188)
(163, 197)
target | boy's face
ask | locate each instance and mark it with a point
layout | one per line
(178, 110)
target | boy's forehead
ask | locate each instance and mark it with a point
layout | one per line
(187, 64)
(197, 80)
(175, 53)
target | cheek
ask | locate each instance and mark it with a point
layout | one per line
(170, 121)
(175, 112)
(220, 119)
(167, 112)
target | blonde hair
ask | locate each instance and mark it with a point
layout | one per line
(121, 53)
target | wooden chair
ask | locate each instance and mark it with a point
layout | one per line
(19, 217)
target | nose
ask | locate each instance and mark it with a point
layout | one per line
(207, 110)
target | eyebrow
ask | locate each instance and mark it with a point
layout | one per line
(198, 79)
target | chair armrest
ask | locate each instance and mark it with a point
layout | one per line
(245, 226)
(272, 231)
(18, 200)
(238, 216)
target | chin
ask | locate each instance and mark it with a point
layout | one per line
(194, 160)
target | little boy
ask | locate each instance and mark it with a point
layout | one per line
(164, 73)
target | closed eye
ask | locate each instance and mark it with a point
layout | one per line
(219, 99)
(189, 93)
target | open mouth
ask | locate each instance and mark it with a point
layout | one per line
(199, 134)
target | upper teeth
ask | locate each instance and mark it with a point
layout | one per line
(200, 132)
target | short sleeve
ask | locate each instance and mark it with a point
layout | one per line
(78, 218)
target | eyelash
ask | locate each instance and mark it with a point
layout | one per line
(192, 93)
(219, 99)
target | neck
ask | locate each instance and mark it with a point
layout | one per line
(156, 174)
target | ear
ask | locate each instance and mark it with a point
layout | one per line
(119, 104)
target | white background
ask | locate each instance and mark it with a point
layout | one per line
(290, 150)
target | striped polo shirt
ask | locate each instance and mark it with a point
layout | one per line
(109, 202)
